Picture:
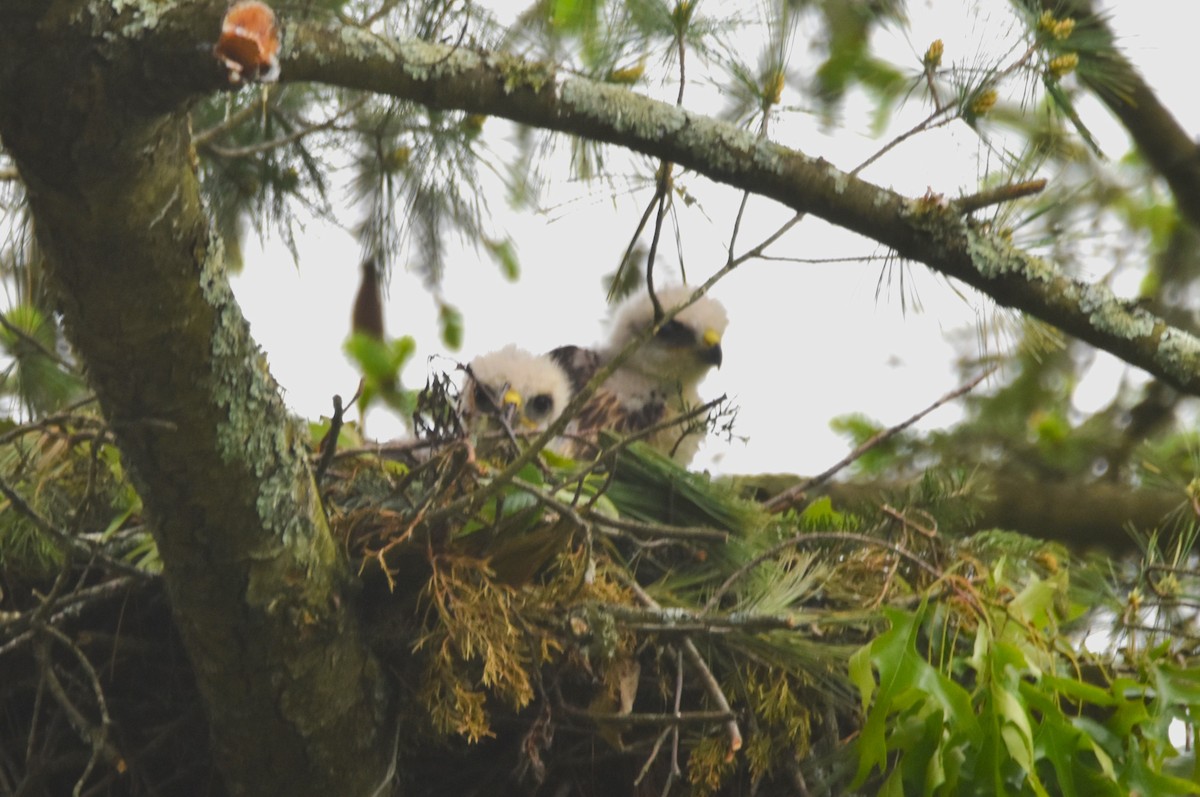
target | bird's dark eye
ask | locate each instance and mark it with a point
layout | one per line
(676, 333)
(539, 405)
(483, 397)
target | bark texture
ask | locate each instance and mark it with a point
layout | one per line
(98, 127)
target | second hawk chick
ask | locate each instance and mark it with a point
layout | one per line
(660, 379)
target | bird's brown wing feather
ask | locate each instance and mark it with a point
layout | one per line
(580, 364)
(604, 411)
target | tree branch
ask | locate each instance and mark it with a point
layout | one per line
(926, 231)
(789, 496)
(1167, 146)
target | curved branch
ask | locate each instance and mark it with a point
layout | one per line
(1167, 146)
(926, 230)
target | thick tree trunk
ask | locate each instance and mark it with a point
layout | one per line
(297, 704)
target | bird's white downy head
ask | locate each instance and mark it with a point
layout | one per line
(532, 387)
(685, 348)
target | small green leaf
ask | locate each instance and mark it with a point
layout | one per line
(861, 674)
(1077, 690)
(403, 348)
(1132, 710)
(374, 358)
(505, 255)
(557, 460)
(1177, 685)
(1035, 603)
(451, 322)
(575, 15)
(908, 687)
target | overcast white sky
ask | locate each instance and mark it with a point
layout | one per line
(805, 342)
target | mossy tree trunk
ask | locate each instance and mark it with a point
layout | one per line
(100, 135)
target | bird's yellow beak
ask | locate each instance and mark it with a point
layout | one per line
(511, 402)
(712, 353)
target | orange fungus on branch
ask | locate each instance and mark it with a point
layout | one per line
(249, 43)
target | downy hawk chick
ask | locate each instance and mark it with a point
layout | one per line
(657, 383)
(512, 389)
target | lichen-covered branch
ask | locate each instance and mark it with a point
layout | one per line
(925, 230)
(1094, 514)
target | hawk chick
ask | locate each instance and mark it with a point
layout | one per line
(526, 391)
(658, 382)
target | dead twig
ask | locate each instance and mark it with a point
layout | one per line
(701, 667)
(676, 620)
(998, 195)
(96, 737)
(657, 531)
(328, 446)
(788, 497)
